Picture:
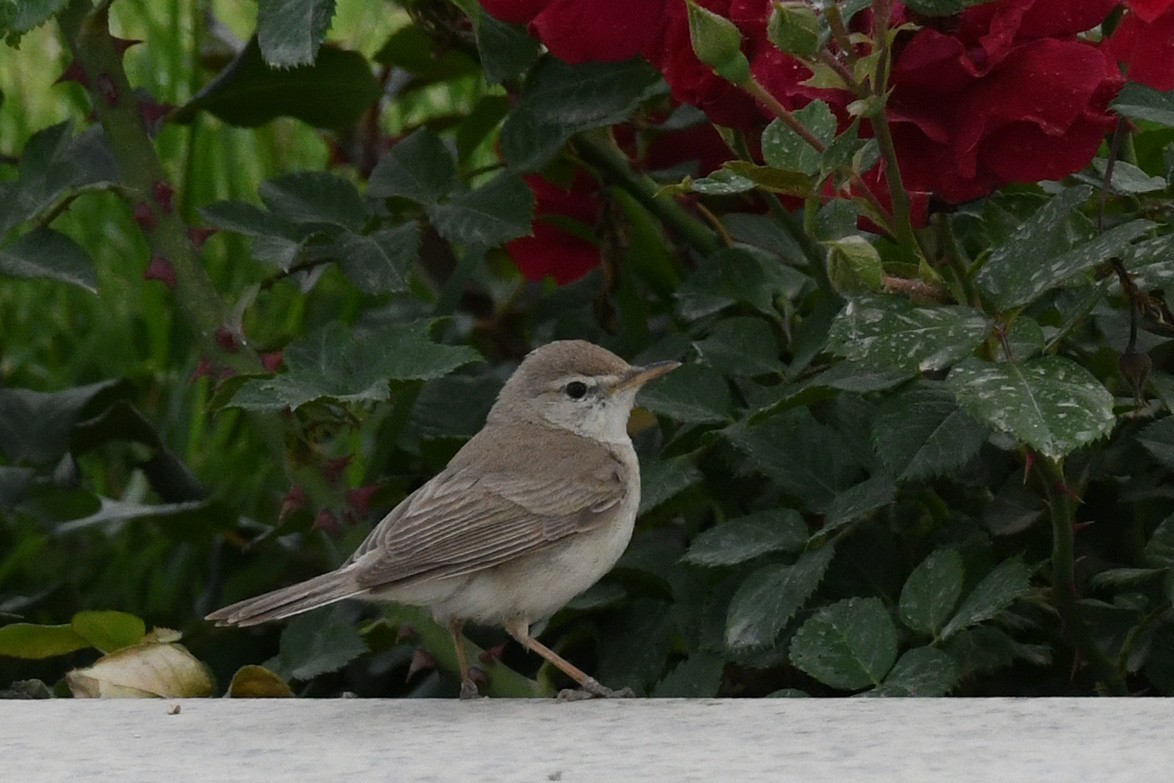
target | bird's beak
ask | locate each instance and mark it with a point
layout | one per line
(636, 377)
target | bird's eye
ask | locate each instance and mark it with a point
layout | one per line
(576, 390)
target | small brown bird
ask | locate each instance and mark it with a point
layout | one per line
(532, 511)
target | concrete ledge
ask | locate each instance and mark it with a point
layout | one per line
(531, 740)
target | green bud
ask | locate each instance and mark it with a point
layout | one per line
(794, 28)
(854, 266)
(718, 44)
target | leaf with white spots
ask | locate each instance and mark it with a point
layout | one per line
(1052, 404)
(891, 333)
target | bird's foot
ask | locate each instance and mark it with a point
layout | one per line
(593, 689)
(469, 690)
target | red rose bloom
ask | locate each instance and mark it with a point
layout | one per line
(552, 250)
(1144, 41)
(576, 31)
(996, 104)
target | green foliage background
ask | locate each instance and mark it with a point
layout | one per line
(954, 486)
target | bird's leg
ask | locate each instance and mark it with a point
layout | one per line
(520, 630)
(468, 687)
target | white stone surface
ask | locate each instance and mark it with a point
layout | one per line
(1081, 740)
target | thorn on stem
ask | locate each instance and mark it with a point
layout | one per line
(160, 269)
(163, 196)
(107, 89)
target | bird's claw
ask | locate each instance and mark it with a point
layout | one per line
(469, 690)
(593, 689)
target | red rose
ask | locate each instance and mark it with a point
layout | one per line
(553, 250)
(978, 110)
(1144, 41)
(577, 31)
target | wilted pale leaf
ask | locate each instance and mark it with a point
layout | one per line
(257, 682)
(143, 671)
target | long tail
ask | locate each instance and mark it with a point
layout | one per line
(288, 601)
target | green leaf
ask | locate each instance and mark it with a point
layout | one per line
(697, 677)
(786, 183)
(1050, 403)
(932, 591)
(1158, 439)
(942, 7)
(920, 432)
(692, 393)
(34, 13)
(795, 28)
(723, 182)
(108, 630)
(506, 49)
(1159, 550)
(489, 216)
(858, 501)
(1140, 102)
(784, 149)
(559, 100)
(50, 255)
(809, 460)
(922, 671)
(1127, 178)
(664, 479)
(380, 262)
(419, 168)
(36, 427)
(745, 538)
(849, 645)
(741, 345)
(290, 31)
(315, 198)
(728, 278)
(332, 93)
(316, 643)
(891, 333)
(770, 596)
(1018, 272)
(997, 590)
(350, 366)
(25, 640)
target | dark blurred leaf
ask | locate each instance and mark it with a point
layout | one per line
(50, 255)
(25, 640)
(697, 677)
(891, 333)
(1158, 439)
(744, 538)
(412, 49)
(506, 49)
(34, 13)
(859, 501)
(381, 261)
(52, 165)
(922, 671)
(1050, 403)
(997, 590)
(316, 643)
(921, 432)
(785, 183)
(985, 649)
(638, 639)
(849, 645)
(932, 591)
(290, 31)
(770, 596)
(731, 277)
(352, 365)
(489, 216)
(434, 414)
(14, 486)
(331, 93)
(314, 198)
(560, 100)
(35, 426)
(809, 460)
(1160, 549)
(1160, 665)
(692, 393)
(1139, 102)
(723, 182)
(419, 168)
(108, 630)
(741, 346)
(665, 478)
